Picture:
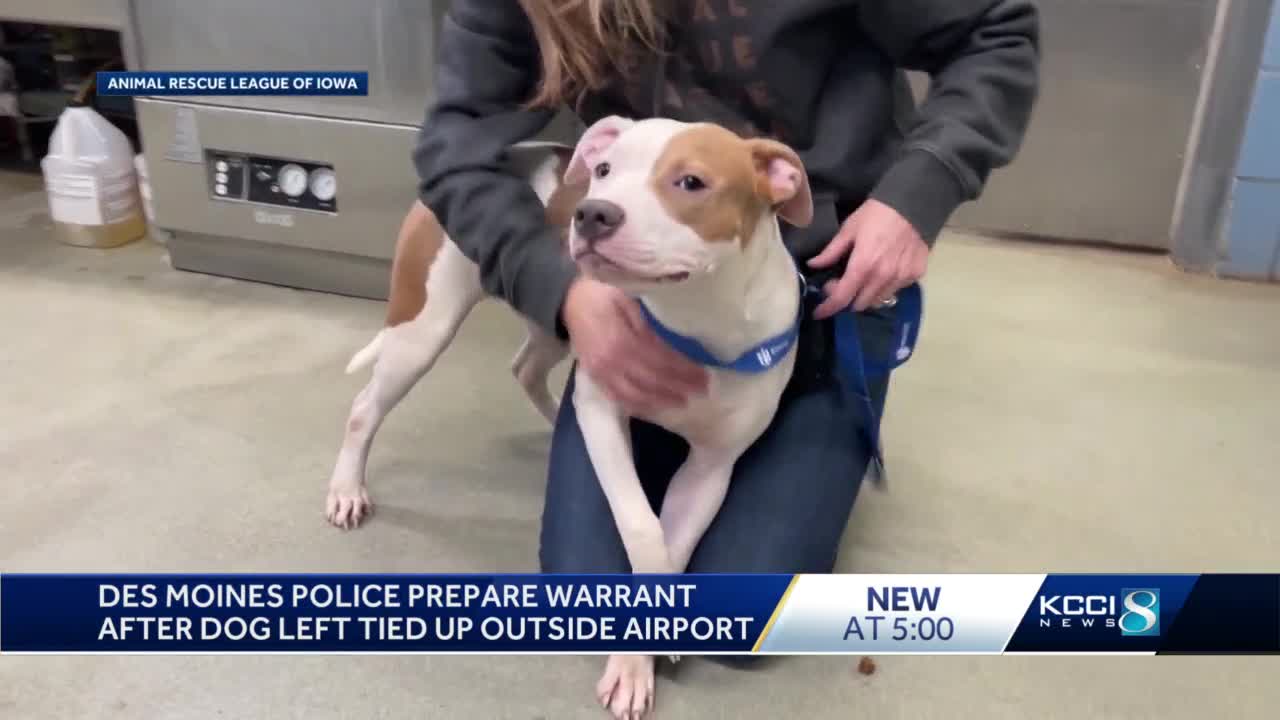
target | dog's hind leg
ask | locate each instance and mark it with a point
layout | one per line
(404, 351)
(532, 366)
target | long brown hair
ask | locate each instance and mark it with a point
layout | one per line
(584, 43)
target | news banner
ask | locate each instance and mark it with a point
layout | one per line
(640, 614)
(232, 83)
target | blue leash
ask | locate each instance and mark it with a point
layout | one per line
(855, 368)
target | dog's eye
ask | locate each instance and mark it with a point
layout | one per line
(602, 169)
(691, 183)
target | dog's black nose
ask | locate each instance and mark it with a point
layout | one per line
(596, 220)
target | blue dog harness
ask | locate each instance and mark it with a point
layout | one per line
(756, 359)
(855, 368)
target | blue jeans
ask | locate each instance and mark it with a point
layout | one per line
(787, 505)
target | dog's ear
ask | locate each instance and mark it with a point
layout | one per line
(782, 182)
(594, 141)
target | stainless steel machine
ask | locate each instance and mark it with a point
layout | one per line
(307, 192)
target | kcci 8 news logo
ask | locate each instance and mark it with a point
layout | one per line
(1135, 611)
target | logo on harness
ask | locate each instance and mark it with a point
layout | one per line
(766, 355)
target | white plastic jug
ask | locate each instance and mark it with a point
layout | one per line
(148, 206)
(90, 181)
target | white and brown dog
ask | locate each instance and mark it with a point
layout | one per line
(683, 216)
(427, 264)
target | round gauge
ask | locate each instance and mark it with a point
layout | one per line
(324, 185)
(292, 179)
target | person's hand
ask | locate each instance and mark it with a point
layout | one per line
(887, 255)
(618, 349)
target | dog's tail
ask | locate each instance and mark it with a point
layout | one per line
(367, 355)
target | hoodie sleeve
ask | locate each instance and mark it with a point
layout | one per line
(486, 69)
(983, 59)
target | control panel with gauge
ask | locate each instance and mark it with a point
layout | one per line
(272, 181)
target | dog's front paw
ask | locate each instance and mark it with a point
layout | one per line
(346, 508)
(626, 688)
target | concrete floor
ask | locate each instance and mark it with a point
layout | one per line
(1071, 410)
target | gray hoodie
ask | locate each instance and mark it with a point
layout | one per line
(824, 76)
